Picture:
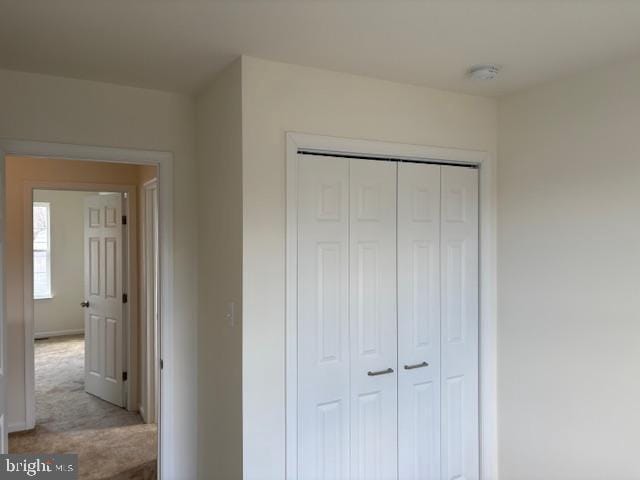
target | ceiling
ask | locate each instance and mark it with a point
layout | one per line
(179, 45)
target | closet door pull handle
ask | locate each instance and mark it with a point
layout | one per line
(380, 372)
(417, 365)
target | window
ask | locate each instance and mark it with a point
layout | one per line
(41, 250)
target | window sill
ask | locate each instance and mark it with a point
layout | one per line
(48, 297)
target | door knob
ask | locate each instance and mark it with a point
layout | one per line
(84, 304)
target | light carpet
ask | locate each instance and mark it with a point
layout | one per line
(111, 442)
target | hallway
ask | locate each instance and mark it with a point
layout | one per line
(111, 442)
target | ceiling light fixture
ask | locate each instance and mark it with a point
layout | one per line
(484, 72)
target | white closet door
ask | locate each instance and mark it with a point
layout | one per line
(323, 318)
(419, 321)
(459, 303)
(373, 333)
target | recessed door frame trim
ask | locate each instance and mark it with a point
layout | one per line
(488, 441)
(164, 162)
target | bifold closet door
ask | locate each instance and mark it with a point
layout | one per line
(387, 320)
(324, 374)
(437, 322)
(373, 313)
(347, 331)
(419, 321)
(459, 323)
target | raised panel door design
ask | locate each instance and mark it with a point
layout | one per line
(423, 283)
(453, 435)
(111, 267)
(329, 201)
(425, 199)
(368, 201)
(323, 318)
(111, 349)
(329, 261)
(368, 318)
(453, 321)
(425, 437)
(94, 218)
(370, 436)
(110, 217)
(103, 290)
(373, 326)
(94, 334)
(456, 203)
(94, 266)
(459, 259)
(419, 321)
(330, 446)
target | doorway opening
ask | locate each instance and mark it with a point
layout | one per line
(91, 311)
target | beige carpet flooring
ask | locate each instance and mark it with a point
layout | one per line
(111, 442)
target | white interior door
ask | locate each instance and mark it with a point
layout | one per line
(419, 321)
(103, 297)
(347, 348)
(387, 320)
(373, 326)
(323, 318)
(459, 303)
(4, 442)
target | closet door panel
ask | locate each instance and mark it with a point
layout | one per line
(419, 321)
(373, 333)
(459, 304)
(323, 318)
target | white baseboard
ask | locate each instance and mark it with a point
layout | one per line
(59, 333)
(17, 426)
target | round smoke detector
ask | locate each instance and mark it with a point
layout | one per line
(484, 72)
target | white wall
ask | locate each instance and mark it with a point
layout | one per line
(62, 313)
(55, 109)
(278, 98)
(569, 273)
(219, 150)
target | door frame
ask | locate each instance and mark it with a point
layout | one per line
(164, 162)
(130, 282)
(147, 255)
(487, 363)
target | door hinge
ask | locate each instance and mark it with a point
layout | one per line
(124, 219)
(124, 376)
(125, 298)
(161, 364)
